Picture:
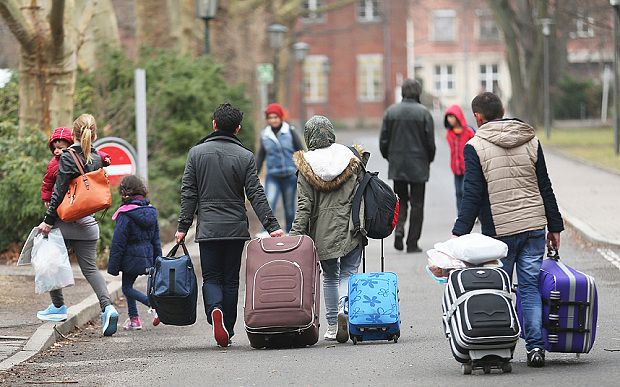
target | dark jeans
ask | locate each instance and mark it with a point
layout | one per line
(410, 193)
(458, 189)
(132, 294)
(526, 251)
(221, 262)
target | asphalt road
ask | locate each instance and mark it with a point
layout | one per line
(164, 356)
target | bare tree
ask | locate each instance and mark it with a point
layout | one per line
(49, 34)
(169, 24)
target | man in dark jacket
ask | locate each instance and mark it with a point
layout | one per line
(219, 172)
(408, 143)
(508, 188)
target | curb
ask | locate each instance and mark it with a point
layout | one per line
(47, 334)
(587, 231)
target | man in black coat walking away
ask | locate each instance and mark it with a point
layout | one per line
(219, 173)
(407, 141)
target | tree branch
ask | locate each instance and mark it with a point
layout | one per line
(19, 26)
(87, 15)
(56, 20)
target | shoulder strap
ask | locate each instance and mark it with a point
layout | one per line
(357, 200)
(77, 159)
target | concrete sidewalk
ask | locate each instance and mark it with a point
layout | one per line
(589, 197)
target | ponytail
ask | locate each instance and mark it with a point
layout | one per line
(86, 143)
(85, 128)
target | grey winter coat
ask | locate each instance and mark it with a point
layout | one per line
(219, 173)
(407, 141)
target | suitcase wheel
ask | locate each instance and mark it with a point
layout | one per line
(354, 339)
(466, 368)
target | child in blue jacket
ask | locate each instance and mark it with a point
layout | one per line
(135, 244)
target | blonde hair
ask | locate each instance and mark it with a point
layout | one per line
(85, 129)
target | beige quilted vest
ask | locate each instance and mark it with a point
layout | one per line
(508, 151)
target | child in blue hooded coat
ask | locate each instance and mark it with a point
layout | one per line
(135, 244)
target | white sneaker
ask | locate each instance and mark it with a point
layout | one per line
(330, 335)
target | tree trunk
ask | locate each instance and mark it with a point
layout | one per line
(48, 61)
(98, 32)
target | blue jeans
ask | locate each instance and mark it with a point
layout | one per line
(336, 273)
(287, 185)
(458, 189)
(132, 294)
(526, 250)
(220, 262)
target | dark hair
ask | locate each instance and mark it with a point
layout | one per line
(131, 186)
(411, 88)
(489, 105)
(227, 117)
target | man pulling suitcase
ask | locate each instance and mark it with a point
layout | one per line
(219, 173)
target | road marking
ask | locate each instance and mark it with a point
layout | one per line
(611, 256)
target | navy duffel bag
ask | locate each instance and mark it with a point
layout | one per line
(172, 288)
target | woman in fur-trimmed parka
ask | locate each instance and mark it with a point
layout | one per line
(329, 174)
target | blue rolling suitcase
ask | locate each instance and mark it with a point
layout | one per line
(373, 308)
(570, 307)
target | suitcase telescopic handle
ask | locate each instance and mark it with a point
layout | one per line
(173, 251)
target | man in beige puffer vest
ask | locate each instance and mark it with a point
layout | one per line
(508, 188)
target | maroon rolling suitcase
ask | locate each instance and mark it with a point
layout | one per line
(282, 292)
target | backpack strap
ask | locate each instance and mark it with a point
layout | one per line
(357, 200)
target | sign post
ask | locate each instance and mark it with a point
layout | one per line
(140, 90)
(122, 155)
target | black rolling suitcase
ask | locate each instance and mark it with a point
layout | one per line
(479, 319)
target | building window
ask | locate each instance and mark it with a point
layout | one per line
(444, 79)
(487, 28)
(311, 7)
(315, 78)
(370, 77)
(584, 28)
(489, 78)
(444, 25)
(368, 10)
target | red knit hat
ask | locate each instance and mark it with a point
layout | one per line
(275, 108)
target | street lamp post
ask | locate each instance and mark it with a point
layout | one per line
(546, 32)
(206, 10)
(301, 49)
(616, 5)
(276, 34)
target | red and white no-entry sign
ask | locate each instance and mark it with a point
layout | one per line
(122, 155)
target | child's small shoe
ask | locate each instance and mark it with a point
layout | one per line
(156, 321)
(132, 324)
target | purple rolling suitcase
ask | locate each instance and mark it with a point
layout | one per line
(570, 307)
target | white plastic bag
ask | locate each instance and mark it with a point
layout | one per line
(26, 254)
(50, 261)
(474, 248)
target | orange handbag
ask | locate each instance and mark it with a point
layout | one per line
(87, 193)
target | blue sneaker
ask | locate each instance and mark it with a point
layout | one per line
(109, 319)
(53, 313)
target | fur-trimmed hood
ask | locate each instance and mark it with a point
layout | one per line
(327, 169)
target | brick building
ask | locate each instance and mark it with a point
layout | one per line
(356, 60)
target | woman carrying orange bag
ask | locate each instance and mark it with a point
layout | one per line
(82, 234)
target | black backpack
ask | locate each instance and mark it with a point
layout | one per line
(381, 205)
